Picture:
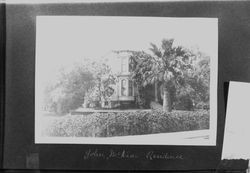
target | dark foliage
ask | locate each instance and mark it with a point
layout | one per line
(128, 123)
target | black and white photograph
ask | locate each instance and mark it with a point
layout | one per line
(125, 80)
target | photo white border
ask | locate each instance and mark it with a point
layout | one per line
(177, 138)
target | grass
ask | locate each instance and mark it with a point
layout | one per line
(127, 123)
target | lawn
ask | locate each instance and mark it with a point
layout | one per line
(127, 123)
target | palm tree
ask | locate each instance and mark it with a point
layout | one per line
(168, 65)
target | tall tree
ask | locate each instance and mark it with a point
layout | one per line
(199, 80)
(68, 92)
(168, 65)
(88, 81)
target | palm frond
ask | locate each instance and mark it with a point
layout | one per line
(167, 43)
(155, 50)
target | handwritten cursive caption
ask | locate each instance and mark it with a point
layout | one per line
(125, 154)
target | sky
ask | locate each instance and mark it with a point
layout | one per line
(62, 41)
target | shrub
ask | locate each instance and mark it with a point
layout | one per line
(155, 106)
(128, 123)
(183, 102)
(203, 105)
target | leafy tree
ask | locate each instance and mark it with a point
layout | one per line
(68, 92)
(87, 82)
(199, 80)
(138, 67)
(104, 79)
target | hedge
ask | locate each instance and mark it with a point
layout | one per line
(128, 123)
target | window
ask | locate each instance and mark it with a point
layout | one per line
(106, 103)
(123, 87)
(130, 88)
(124, 65)
(130, 62)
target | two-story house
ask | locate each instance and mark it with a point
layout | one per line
(124, 89)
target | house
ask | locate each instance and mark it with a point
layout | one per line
(125, 90)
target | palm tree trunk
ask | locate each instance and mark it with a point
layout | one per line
(167, 101)
(156, 92)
